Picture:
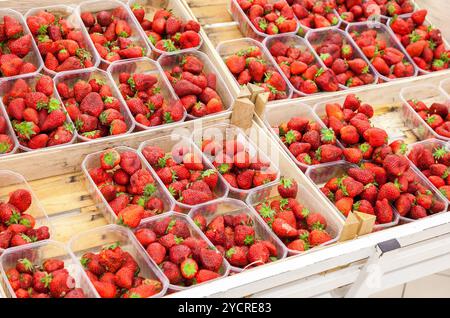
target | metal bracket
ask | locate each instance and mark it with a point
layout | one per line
(369, 279)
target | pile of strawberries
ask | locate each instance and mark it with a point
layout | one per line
(93, 108)
(423, 43)
(111, 34)
(308, 142)
(115, 273)
(15, 47)
(183, 258)
(239, 169)
(249, 66)
(167, 32)
(375, 186)
(38, 119)
(434, 165)
(6, 143)
(129, 188)
(361, 10)
(301, 68)
(234, 235)
(16, 226)
(146, 101)
(436, 116)
(195, 88)
(387, 60)
(315, 14)
(48, 280)
(270, 18)
(183, 173)
(294, 224)
(352, 127)
(62, 47)
(338, 55)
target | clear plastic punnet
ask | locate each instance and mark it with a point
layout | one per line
(93, 161)
(167, 62)
(246, 26)
(137, 36)
(307, 200)
(176, 145)
(316, 39)
(95, 240)
(11, 181)
(230, 47)
(427, 24)
(194, 232)
(428, 94)
(68, 13)
(175, 6)
(38, 253)
(383, 33)
(321, 174)
(71, 77)
(143, 65)
(233, 207)
(224, 132)
(33, 56)
(291, 41)
(431, 145)
(437, 196)
(276, 115)
(31, 80)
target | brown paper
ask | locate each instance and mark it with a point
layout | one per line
(242, 114)
(351, 227)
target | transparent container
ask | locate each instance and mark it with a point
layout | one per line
(71, 77)
(233, 207)
(428, 94)
(11, 181)
(276, 115)
(9, 132)
(31, 80)
(224, 132)
(306, 199)
(173, 143)
(194, 232)
(430, 144)
(33, 56)
(292, 41)
(246, 26)
(2, 293)
(38, 253)
(437, 196)
(93, 161)
(137, 36)
(303, 29)
(167, 62)
(427, 24)
(94, 240)
(386, 34)
(315, 38)
(68, 13)
(143, 65)
(321, 174)
(230, 47)
(177, 9)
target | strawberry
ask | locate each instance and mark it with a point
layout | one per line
(383, 211)
(189, 268)
(131, 216)
(288, 188)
